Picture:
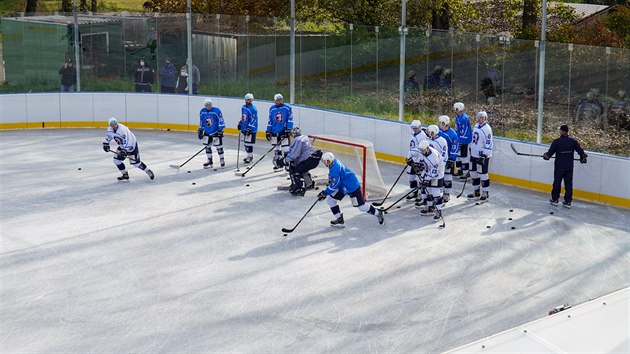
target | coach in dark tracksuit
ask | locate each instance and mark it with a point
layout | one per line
(564, 147)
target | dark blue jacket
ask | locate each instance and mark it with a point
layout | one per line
(564, 147)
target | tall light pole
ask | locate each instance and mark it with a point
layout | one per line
(189, 61)
(403, 33)
(292, 55)
(541, 73)
(77, 65)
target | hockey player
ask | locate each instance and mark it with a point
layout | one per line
(211, 125)
(452, 140)
(440, 145)
(279, 129)
(342, 182)
(417, 135)
(480, 153)
(433, 177)
(127, 147)
(302, 157)
(563, 148)
(248, 126)
(464, 134)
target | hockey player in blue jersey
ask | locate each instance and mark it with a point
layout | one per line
(302, 158)
(452, 140)
(127, 147)
(342, 182)
(279, 129)
(464, 134)
(248, 126)
(211, 125)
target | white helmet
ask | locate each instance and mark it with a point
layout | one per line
(433, 130)
(112, 121)
(483, 115)
(207, 101)
(422, 145)
(458, 106)
(278, 97)
(296, 132)
(328, 157)
(249, 96)
(444, 120)
(415, 124)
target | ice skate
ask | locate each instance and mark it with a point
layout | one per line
(437, 214)
(207, 164)
(484, 196)
(248, 159)
(566, 205)
(150, 173)
(380, 216)
(338, 222)
(474, 195)
(427, 211)
(124, 177)
(553, 202)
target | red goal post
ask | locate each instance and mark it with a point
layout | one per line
(359, 156)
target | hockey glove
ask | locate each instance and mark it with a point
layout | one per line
(239, 126)
(248, 131)
(546, 156)
(268, 136)
(583, 158)
(321, 196)
(200, 134)
(218, 134)
(409, 161)
(106, 147)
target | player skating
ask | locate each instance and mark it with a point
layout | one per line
(452, 140)
(127, 147)
(211, 125)
(464, 134)
(279, 129)
(480, 153)
(342, 182)
(301, 158)
(416, 136)
(248, 126)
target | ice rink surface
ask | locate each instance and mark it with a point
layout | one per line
(196, 261)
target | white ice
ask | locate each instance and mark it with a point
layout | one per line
(197, 262)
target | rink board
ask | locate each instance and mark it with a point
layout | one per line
(602, 179)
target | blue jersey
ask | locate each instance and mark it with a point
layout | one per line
(249, 118)
(280, 118)
(341, 179)
(452, 140)
(463, 129)
(211, 121)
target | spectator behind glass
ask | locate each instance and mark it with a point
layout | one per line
(144, 77)
(168, 75)
(182, 80)
(196, 78)
(411, 84)
(68, 76)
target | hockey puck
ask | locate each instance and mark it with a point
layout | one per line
(513, 228)
(288, 177)
(511, 210)
(79, 168)
(476, 203)
(285, 234)
(551, 212)
(398, 207)
(510, 219)
(194, 183)
(487, 227)
(316, 188)
(168, 129)
(215, 169)
(247, 185)
(188, 171)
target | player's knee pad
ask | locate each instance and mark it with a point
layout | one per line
(118, 162)
(476, 182)
(277, 161)
(121, 166)
(411, 177)
(364, 207)
(434, 192)
(448, 184)
(249, 148)
(220, 149)
(308, 180)
(484, 177)
(332, 202)
(474, 174)
(413, 183)
(208, 149)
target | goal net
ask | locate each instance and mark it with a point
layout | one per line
(358, 155)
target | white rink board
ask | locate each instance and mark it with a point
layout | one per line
(603, 174)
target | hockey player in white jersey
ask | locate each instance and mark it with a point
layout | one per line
(452, 140)
(302, 158)
(433, 178)
(480, 153)
(127, 147)
(416, 136)
(441, 146)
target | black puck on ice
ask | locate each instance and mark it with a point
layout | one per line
(285, 235)
(215, 169)
(511, 210)
(79, 168)
(398, 207)
(194, 183)
(476, 203)
(188, 171)
(513, 228)
(510, 219)
(487, 227)
(247, 185)
(316, 188)
(551, 212)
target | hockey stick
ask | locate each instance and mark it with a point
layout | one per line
(285, 230)
(193, 156)
(391, 189)
(443, 222)
(262, 157)
(463, 188)
(238, 150)
(524, 154)
(401, 198)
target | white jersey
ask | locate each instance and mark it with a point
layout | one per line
(416, 138)
(433, 164)
(441, 146)
(122, 136)
(481, 140)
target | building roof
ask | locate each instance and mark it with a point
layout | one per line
(582, 10)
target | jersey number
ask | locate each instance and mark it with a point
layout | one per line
(278, 117)
(475, 138)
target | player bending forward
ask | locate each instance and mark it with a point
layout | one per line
(248, 126)
(342, 182)
(211, 125)
(127, 147)
(417, 135)
(432, 176)
(302, 158)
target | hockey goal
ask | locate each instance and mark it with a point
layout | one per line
(359, 156)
